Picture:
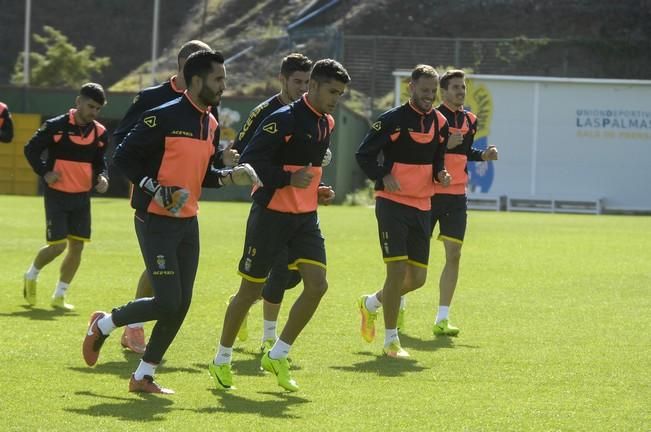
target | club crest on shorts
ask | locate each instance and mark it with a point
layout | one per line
(160, 262)
(247, 264)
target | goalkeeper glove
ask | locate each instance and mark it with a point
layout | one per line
(171, 198)
(327, 158)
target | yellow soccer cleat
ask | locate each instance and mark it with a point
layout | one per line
(368, 320)
(444, 328)
(267, 344)
(280, 368)
(222, 375)
(395, 350)
(29, 290)
(60, 303)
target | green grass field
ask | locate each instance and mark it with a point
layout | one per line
(554, 312)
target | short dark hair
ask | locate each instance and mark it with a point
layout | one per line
(295, 62)
(423, 70)
(329, 69)
(191, 47)
(448, 75)
(200, 64)
(93, 91)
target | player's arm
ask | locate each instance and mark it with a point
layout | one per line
(7, 129)
(100, 171)
(217, 175)
(99, 162)
(130, 119)
(473, 154)
(241, 175)
(243, 137)
(374, 142)
(261, 152)
(440, 173)
(36, 145)
(144, 140)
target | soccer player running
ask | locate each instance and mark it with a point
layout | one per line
(449, 205)
(75, 144)
(6, 124)
(412, 140)
(133, 337)
(286, 151)
(294, 78)
(168, 156)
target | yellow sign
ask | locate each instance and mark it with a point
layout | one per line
(480, 102)
(227, 134)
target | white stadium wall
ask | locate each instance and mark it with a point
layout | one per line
(572, 139)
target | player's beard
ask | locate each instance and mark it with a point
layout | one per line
(208, 97)
(422, 105)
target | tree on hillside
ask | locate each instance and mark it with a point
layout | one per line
(62, 65)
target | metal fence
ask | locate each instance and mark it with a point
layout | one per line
(372, 59)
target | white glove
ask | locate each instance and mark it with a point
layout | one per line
(244, 174)
(327, 158)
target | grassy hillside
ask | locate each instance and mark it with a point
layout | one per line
(608, 39)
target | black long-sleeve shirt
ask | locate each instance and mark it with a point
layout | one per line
(256, 116)
(152, 97)
(75, 151)
(290, 139)
(173, 144)
(412, 145)
(456, 158)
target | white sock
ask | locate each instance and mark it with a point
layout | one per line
(403, 302)
(372, 303)
(144, 368)
(442, 313)
(224, 355)
(280, 350)
(61, 288)
(106, 325)
(136, 325)
(32, 272)
(390, 335)
(269, 330)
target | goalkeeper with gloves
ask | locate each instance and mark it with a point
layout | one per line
(168, 156)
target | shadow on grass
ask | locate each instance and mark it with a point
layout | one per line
(152, 407)
(383, 365)
(434, 344)
(231, 402)
(124, 369)
(38, 314)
